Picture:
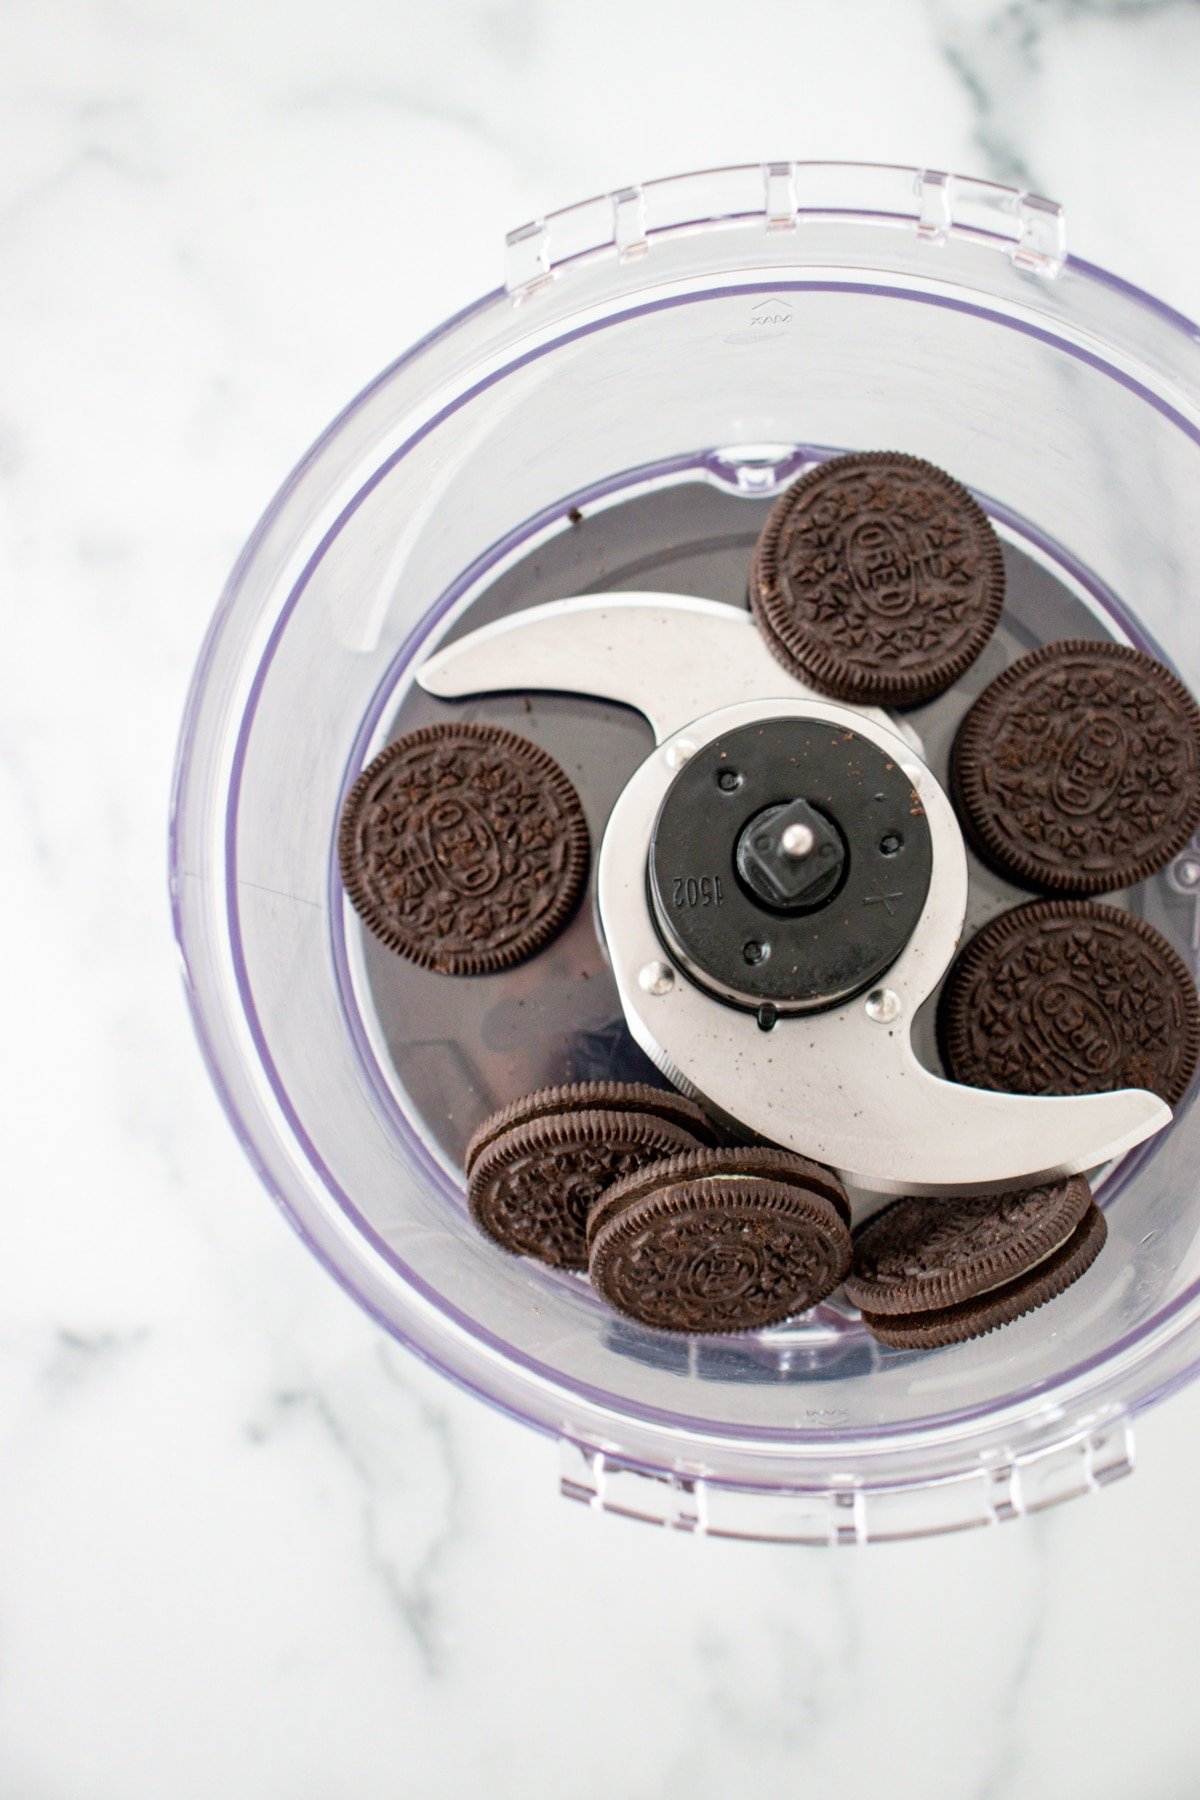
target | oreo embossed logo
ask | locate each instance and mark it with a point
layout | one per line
(1091, 765)
(882, 566)
(1073, 1031)
(460, 846)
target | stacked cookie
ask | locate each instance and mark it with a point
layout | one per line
(932, 1272)
(675, 1229)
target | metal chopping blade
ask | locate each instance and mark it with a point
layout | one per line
(843, 1086)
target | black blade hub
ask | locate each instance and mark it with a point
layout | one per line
(789, 864)
(791, 857)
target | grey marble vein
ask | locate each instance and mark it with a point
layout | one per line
(408, 1567)
(995, 52)
(76, 1354)
(1006, 1776)
(417, 1594)
(991, 54)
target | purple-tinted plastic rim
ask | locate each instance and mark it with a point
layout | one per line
(633, 1410)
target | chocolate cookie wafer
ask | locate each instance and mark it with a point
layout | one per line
(463, 847)
(1070, 997)
(929, 1272)
(536, 1167)
(877, 578)
(919, 1253)
(591, 1096)
(1078, 768)
(720, 1240)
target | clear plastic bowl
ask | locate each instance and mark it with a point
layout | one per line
(681, 339)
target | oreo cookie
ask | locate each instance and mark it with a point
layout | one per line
(1078, 769)
(536, 1167)
(929, 1272)
(1070, 997)
(720, 1240)
(463, 847)
(877, 578)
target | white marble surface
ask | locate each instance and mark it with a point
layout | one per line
(249, 1548)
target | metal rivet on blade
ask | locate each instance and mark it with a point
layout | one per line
(656, 978)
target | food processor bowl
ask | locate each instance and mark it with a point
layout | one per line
(658, 363)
